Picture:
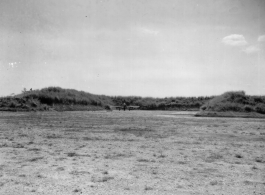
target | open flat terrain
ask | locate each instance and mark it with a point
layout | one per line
(131, 152)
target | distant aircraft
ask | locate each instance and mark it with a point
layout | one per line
(126, 107)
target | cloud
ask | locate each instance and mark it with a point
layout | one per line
(148, 31)
(234, 40)
(261, 38)
(251, 49)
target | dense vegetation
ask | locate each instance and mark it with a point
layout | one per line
(56, 98)
(170, 103)
(69, 99)
(57, 95)
(236, 102)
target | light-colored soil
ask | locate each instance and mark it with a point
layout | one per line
(131, 152)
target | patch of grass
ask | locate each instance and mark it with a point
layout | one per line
(213, 157)
(76, 190)
(182, 162)
(106, 178)
(143, 160)
(35, 159)
(72, 154)
(102, 179)
(79, 172)
(33, 149)
(105, 172)
(115, 156)
(161, 156)
(60, 169)
(18, 146)
(53, 136)
(90, 138)
(23, 135)
(238, 156)
(40, 176)
(246, 182)
(148, 188)
(61, 158)
(259, 160)
(213, 183)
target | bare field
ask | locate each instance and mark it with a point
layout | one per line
(132, 152)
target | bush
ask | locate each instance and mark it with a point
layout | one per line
(107, 107)
(248, 108)
(203, 107)
(12, 105)
(260, 108)
(25, 106)
(227, 106)
(33, 104)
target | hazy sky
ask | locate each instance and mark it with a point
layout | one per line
(140, 47)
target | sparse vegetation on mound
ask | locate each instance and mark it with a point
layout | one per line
(234, 104)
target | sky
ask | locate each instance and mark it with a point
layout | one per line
(143, 48)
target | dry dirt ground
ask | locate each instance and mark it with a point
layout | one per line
(131, 152)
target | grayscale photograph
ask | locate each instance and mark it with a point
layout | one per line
(132, 97)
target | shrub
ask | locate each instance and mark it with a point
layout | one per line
(12, 105)
(248, 108)
(107, 107)
(227, 106)
(161, 105)
(25, 106)
(260, 108)
(33, 104)
(203, 107)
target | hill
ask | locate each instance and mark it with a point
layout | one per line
(234, 104)
(56, 98)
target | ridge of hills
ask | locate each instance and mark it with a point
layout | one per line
(59, 99)
(229, 104)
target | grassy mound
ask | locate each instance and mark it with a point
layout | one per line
(234, 104)
(54, 98)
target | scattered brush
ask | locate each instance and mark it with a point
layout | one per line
(238, 156)
(72, 154)
(35, 159)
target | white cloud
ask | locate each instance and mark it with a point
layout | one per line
(251, 49)
(148, 31)
(261, 38)
(234, 40)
